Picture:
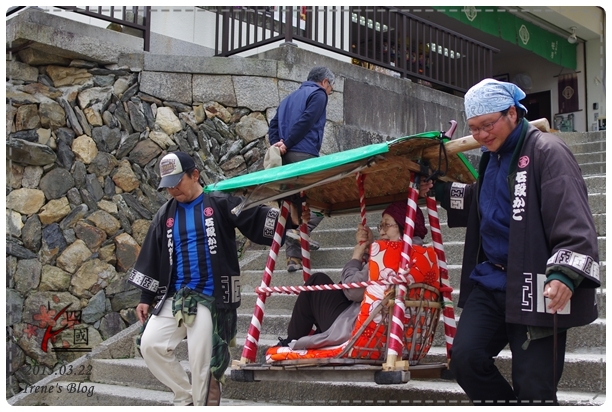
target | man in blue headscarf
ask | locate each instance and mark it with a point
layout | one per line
(530, 252)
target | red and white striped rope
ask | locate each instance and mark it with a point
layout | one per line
(305, 245)
(250, 346)
(395, 343)
(362, 206)
(394, 280)
(448, 311)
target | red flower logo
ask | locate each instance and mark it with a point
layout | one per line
(170, 222)
(45, 317)
(31, 330)
(208, 212)
(523, 162)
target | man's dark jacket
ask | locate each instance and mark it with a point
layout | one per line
(300, 120)
(153, 269)
(551, 230)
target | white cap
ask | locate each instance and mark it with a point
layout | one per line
(172, 168)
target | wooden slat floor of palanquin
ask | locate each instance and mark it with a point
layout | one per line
(334, 370)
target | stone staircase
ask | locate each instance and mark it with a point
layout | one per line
(119, 377)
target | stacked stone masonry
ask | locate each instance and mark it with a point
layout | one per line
(83, 145)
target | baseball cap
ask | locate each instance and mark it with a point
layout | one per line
(172, 168)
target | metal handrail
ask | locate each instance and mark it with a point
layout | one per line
(383, 38)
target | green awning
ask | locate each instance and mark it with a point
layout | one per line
(329, 181)
(509, 26)
(316, 164)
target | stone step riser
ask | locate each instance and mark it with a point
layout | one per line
(595, 168)
(135, 373)
(579, 138)
(595, 184)
(592, 157)
(413, 393)
(600, 224)
(590, 147)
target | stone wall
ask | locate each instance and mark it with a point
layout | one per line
(83, 146)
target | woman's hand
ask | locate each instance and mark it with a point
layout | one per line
(364, 234)
(305, 214)
(425, 187)
(364, 238)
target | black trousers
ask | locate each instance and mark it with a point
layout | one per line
(320, 308)
(481, 334)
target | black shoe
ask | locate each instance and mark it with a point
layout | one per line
(283, 342)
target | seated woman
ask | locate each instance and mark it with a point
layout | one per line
(334, 312)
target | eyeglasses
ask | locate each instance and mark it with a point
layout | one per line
(384, 226)
(331, 87)
(485, 127)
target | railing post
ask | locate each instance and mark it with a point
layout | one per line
(289, 24)
(147, 30)
(225, 31)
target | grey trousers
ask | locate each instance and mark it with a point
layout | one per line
(292, 247)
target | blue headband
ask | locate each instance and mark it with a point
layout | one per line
(490, 96)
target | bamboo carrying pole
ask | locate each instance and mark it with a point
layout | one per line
(463, 144)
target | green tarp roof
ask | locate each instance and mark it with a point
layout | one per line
(329, 180)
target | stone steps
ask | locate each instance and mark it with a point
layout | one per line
(594, 168)
(590, 147)
(590, 157)
(577, 139)
(115, 382)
